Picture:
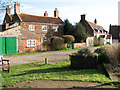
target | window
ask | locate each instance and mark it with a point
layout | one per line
(45, 38)
(44, 28)
(31, 27)
(31, 43)
(56, 29)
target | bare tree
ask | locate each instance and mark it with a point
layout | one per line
(4, 4)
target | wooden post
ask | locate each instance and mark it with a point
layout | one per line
(46, 60)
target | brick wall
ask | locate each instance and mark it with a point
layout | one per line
(22, 46)
(77, 45)
(38, 29)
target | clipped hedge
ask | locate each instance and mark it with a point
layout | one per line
(84, 59)
(58, 43)
(68, 38)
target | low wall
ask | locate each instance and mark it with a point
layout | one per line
(77, 45)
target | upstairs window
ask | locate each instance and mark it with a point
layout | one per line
(31, 43)
(55, 28)
(32, 27)
(44, 28)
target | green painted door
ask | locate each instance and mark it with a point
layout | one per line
(11, 45)
(2, 45)
(71, 46)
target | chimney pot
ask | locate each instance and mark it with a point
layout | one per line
(83, 17)
(95, 21)
(17, 8)
(56, 13)
(46, 14)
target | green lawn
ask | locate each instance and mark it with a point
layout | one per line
(53, 71)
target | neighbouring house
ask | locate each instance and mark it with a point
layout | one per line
(31, 31)
(115, 31)
(95, 30)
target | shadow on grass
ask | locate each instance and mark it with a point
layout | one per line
(62, 70)
(114, 85)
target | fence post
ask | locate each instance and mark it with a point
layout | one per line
(46, 60)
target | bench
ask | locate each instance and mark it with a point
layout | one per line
(5, 64)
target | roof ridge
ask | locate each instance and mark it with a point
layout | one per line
(35, 15)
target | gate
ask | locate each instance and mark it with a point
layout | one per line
(8, 45)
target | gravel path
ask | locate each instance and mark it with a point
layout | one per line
(52, 57)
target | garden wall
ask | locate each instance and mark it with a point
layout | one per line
(77, 45)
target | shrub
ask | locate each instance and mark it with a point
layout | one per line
(84, 59)
(84, 52)
(47, 43)
(58, 43)
(109, 54)
(68, 39)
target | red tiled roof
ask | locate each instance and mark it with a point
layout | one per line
(39, 19)
(93, 26)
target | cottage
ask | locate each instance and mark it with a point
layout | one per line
(31, 31)
(96, 30)
(115, 31)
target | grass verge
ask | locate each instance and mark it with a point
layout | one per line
(52, 71)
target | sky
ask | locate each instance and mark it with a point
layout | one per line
(105, 11)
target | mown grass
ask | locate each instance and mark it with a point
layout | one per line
(53, 71)
(43, 52)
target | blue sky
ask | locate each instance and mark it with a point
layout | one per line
(105, 11)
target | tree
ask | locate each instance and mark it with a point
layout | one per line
(80, 33)
(68, 28)
(68, 39)
(51, 31)
(4, 4)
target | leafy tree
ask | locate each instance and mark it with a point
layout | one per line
(68, 28)
(51, 31)
(80, 33)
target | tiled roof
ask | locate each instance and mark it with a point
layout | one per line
(20, 31)
(39, 19)
(94, 26)
(26, 34)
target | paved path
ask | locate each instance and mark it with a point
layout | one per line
(52, 56)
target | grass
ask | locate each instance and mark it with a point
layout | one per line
(53, 71)
(43, 52)
(49, 51)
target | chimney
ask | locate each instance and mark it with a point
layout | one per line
(17, 8)
(46, 14)
(95, 21)
(8, 10)
(56, 13)
(83, 17)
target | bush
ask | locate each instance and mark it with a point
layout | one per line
(84, 52)
(109, 54)
(58, 43)
(68, 39)
(84, 59)
(47, 43)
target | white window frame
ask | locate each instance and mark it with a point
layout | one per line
(56, 29)
(32, 27)
(45, 38)
(31, 43)
(44, 28)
